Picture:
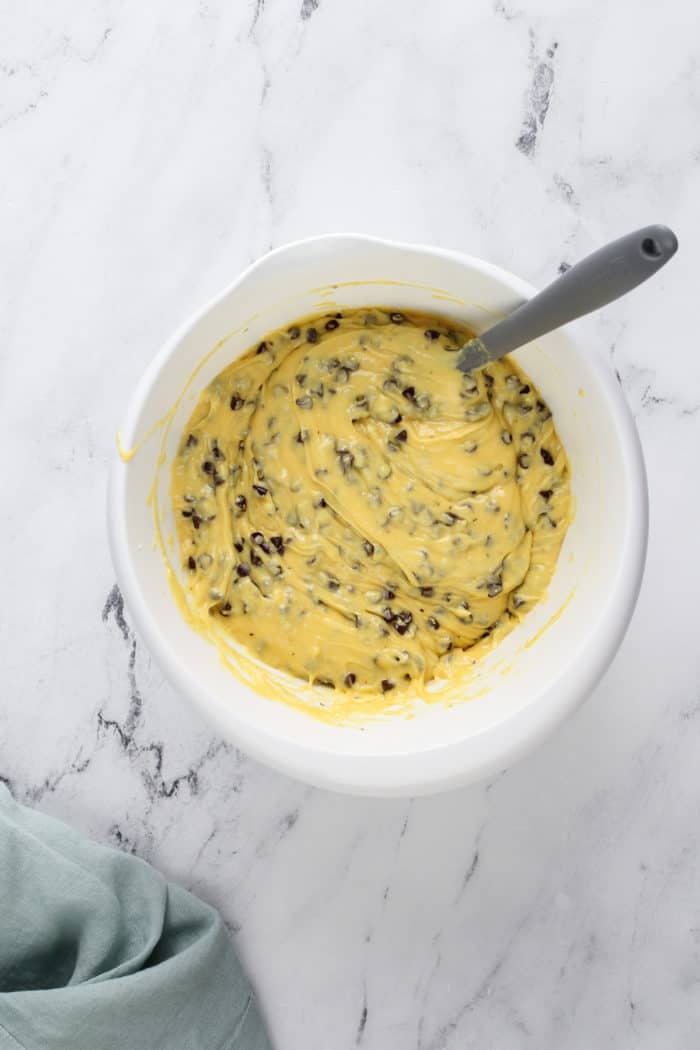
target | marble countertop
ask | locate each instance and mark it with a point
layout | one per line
(150, 152)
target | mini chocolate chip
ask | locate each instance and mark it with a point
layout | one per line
(301, 378)
(432, 622)
(547, 457)
(401, 436)
(191, 564)
(241, 502)
(277, 543)
(427, 592)
(238, 544)
(260, 489)
(191, 441)
(387, 685)
(304, 402)
(432, 334)
(243, 569)
(525, 388)
(187, 513)
(388, 595)
(369, 547)
(333, 585)
(331, 325)
(311, 335)
(402, 621)
(257, 538)
(346, 460)
(301, 437)
(387, 614)
(294, 332)
(494, 587)
(218, 480)
(488, 379)
(523, 460)
(196, 521)
(216, 452)
(506, 437)
(255, 558)
(236, 402)
(350, 679)
(327, 683)
(409, 392)
(390, 384)
(396, 317)
(226, 608)
(208, 466)
(262, 347)
(448, 518)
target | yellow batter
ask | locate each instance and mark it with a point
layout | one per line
(352, 508)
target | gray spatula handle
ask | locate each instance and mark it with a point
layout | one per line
(594, 282)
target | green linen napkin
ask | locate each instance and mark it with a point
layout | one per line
(99, 952)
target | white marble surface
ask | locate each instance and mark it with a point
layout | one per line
(149, 152)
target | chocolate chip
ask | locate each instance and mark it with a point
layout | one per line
(427, 592)
(327, 683)
(301, 378)
(226, 608)
(260, 489)
(388, 595)
(506, 437)
(196, 521)
(277, 543)
(402, 621)
(448, 518)
(304, 402)
(243, 570)
(547, 457)
(294, 332)
(262, 347)
(333, 585)
(236, 402)
(387, 614)
(401, 436)
(396, 317)
(409, 392)
(257, 538)
(311, 335)
(255, 558)
(301, 437)
(488, 379)
(432, 334)
(432, 622)
(187, 513)
(331, 325)
(369, 547)
(238, 544)
(525, 388)
(191, 441)
(191, 564)
(387, 685)
(350, 679)
(346, 460)
(494, 587)
(241, 502)
(208, 466)
(218, 480)
(523, 460)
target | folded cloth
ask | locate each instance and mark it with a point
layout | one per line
(99, 952)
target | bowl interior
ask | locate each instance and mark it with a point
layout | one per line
(541, 669)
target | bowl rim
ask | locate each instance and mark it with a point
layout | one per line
(447, 765)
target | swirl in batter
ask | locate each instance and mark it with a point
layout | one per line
(352, 508)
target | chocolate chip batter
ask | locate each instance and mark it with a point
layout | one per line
(351, 508)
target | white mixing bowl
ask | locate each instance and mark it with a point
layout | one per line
(541, 671)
